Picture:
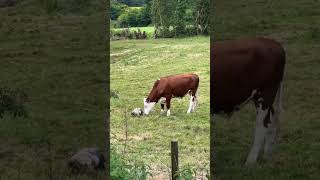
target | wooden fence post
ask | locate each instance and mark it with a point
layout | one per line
(174, 160)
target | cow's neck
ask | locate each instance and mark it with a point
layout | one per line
(153, 97)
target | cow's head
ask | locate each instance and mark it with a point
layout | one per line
(147, 106)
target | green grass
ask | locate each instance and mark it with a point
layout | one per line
(148, 30)
(58, 61)
(296, 24)
(135, 65)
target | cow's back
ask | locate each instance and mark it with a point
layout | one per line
(179, 85)
(239, 66)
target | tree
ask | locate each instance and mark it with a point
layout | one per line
(162, 13)
(179, 22)
(202, 16)
(146, 14)
(117, 9)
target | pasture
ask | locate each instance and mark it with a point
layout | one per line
(57, 61)
(135, 66)
(296, 24)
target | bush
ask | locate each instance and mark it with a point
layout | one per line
(123, 170)
(134, 17)
(117, 9)
(126, 33)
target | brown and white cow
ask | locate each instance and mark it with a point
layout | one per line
(168, 87)
(249, 70)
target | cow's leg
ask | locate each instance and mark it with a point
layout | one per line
(162, 107)
(260, 132)
(270, 138)
(162, 103)
(195, 101)
(168, 100)
(191, 102)
(272, 130)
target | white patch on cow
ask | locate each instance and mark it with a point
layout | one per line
(148, 106)
(248, 99)
(191, 104)
(162, 100)
(168, 112)
(161, 110)
(259, 136)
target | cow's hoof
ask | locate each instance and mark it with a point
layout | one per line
(168, 113)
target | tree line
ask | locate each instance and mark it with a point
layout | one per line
(171, 18)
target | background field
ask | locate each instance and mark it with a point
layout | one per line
(57, 59)
(135, 65)
(296, 24)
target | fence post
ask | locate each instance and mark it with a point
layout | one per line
(174, 160)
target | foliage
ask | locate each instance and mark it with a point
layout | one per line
(122, 169)
(127, 33)
(133, 2)
(117, 9)
(172, 18)
(135, 17)
(201, 15)
(124, 33)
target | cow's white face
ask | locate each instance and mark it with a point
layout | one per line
(148, 106)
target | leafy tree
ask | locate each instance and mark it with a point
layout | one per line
(201, 15)
(146, 14)
(134, 17)
(162, 13)
(117, 9)
(133, 2)
(179, 21)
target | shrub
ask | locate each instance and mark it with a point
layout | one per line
(124, 170)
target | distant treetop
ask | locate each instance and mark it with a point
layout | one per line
(133, 2)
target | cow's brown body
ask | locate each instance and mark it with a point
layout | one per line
(246, 70)
(173, 86)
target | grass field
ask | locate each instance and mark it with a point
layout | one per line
(296, 24)
(135, 65)
(58, 61)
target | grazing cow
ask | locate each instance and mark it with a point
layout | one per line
(168, 87)
(247, 70)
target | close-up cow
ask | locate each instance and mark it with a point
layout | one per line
(172, 86)
(249, 70)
